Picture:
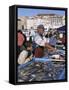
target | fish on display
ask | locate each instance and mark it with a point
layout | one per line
(38, 71)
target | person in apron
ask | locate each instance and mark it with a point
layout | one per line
(41, 42)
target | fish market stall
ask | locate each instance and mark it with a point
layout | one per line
(43, 69)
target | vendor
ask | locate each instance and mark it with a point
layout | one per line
(41, 42)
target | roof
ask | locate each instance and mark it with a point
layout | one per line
(61, 29)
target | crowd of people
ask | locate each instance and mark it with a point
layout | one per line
(28, 48)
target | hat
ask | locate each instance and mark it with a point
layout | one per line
(40, 27)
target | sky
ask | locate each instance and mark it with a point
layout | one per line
(33, 12)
